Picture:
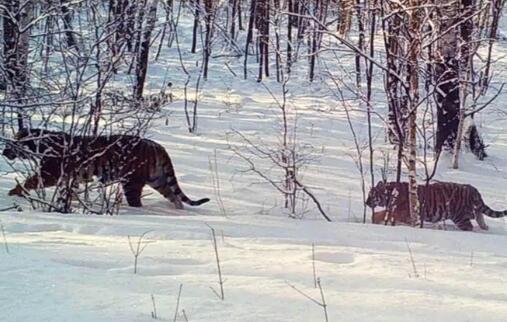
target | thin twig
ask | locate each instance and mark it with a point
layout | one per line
(184, 315)
(6, 244)
(414, 267)
(220, 280)
(154, 312)
(178, 304)
(315, 200)
(324, 305)
(313, 265)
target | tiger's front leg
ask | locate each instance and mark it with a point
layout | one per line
(133, 191)
(32, 183)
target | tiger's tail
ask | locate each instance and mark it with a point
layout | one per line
(493, 213)
(165, 182)
(483, 208)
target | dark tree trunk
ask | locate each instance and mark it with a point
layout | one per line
(233, 4)
(397, 95)
(67, 24)
(448, 104)
(141, 8)
(320, 13)
(249, 35)
(16, 46)
(208, 6)
(144, 49)
(118, 20)
(240, 15)
(289, 34)
(454, 47)
(129, 22)
(262, 24)
(196, 26)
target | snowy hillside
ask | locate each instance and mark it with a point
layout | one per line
(76, 267)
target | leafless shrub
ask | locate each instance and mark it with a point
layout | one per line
(322, 303)
(137, 248)
(286, 159)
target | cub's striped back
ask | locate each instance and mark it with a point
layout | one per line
(438, 201)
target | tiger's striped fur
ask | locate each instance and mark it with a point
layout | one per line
(129, 159)
(442, 200)
(383, 217)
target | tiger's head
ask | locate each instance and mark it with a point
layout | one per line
(381, 194)
(376, 196)
(27, 142)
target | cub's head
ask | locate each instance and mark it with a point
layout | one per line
(376, 195)
(385, 193)
(27, 142)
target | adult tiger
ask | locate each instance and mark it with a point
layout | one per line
(443, 200)
(129, 159)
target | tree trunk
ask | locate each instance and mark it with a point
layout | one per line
(346, 9)
(67, 24)
(16, 46)
(196, 26)
(464, 64)
(208, 7)
(290, 22)
(413, 78)
(397, 97)
(144, 49)
(249, 36)
(360, 42)
(262, 24)
(447, 80)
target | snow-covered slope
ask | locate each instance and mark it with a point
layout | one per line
(80, 268)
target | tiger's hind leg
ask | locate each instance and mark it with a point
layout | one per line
(165, 189)
(465, 224)
(133, 191)
(167, 192)
(481, 222)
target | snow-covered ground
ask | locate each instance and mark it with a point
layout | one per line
(80, 268)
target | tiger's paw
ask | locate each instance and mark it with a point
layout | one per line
(484, 227)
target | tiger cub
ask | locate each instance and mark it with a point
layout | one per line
(131, 160)
(442, 200)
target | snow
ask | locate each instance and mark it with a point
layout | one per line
(79, 267)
